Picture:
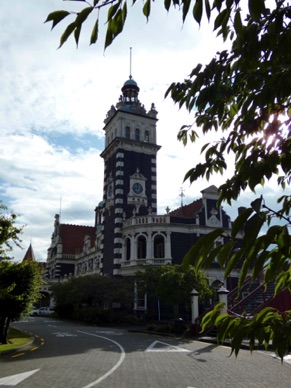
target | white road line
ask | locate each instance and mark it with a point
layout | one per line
(14, 380)
(156, 347)
(117, 365)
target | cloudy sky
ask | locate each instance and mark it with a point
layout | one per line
(53, 103)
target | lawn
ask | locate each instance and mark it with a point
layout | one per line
(16, 339)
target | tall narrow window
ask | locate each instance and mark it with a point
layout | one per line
(146, 136)
(127, 132)
(127, 249)
(141, 247)
(159, 247)
(137, 134)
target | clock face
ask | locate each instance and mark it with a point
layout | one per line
(137, 188)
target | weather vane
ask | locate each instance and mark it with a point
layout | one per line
(182, 195)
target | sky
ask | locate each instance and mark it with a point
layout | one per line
(53, 103)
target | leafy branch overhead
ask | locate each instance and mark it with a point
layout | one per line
(243, 98)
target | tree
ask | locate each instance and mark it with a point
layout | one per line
(172, 284)
(90, 295)
(8, 231)
(242, 96)
(19, 290)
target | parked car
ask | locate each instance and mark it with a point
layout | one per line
(42, 311)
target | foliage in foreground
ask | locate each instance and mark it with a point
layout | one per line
(8, 231)
(269, 325)
(243, 92)
(19, 291)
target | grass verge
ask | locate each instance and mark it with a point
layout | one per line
(16, 339)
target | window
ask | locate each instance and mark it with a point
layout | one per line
(141, 247)
(137, 134)
(146, 136)
(159, 247)
(127, 247)
(127, 132)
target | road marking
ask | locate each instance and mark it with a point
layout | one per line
(18, 355)
(60, 334)
(13, 380)
(285, 358)
(158, 346)
(109, 332)
(117, 365)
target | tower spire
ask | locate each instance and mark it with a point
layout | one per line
(130, 63)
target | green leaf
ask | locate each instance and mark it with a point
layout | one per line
(167, 4)
(256, 7)
(147, 8)
(238, 23)
(252, 229)
(198, 252)
(225, 252)
(68, 31)
(239, 223)
(56, 17)
(77, 34)
(94, 35)
(257, 204)
(233, 262)
(112, 10)
(82, 16)
(208, 9)
(109, 36)
(197, 10)
(185, 9)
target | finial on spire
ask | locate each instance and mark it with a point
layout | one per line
(130, 59)
(182, 195)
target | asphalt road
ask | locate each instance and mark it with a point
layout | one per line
(72, 355)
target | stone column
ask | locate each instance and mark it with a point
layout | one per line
(222, 293)
(194, 305)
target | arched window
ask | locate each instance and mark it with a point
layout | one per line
(146, 136)
(127, 249)
(127, 132)
(159, 247)
(141, 247)
(137, 134)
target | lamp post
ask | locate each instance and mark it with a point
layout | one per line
(194, 305)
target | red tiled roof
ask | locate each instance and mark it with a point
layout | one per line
(73, 237)
(188, 211)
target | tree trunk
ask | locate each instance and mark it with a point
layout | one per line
(4, 327)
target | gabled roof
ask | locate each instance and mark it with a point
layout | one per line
(188, 211)
(73, 237)
(29, 255)
(210, 189)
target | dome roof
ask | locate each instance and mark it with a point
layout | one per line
(130, 82)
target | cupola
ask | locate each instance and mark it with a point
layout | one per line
(130, 90)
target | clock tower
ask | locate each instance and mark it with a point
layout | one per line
(130, 173)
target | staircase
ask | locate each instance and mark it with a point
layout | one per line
(254, 301)
(252, 298)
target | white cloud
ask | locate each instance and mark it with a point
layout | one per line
(53, 103)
